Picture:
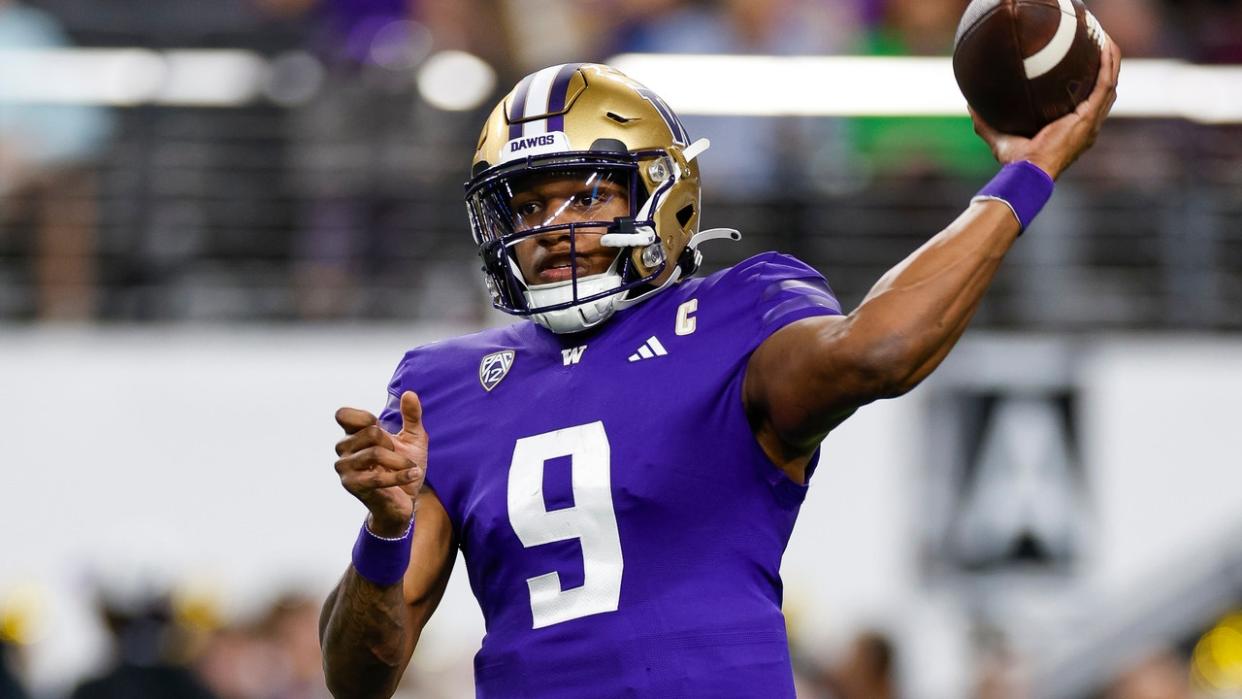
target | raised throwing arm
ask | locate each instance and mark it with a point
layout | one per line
(809, 376)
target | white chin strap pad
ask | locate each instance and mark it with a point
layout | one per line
(575, 319)
(581, 316)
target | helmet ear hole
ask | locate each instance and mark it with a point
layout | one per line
(685, 214)
(609, 145)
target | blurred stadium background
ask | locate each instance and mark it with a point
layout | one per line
(221, 220)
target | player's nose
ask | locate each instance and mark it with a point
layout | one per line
(555, 239)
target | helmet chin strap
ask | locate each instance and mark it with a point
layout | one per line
(645, 236)
(588, 315)
(693, 245)
(581, 316)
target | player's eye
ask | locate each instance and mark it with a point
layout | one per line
(527, 209)
(590, 199)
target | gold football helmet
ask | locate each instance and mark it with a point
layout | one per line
(592, 124)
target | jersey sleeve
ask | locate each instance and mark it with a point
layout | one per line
(390, 416)
(407, 377)
(781, 289)
(749, 302)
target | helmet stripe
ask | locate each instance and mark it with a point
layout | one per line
(670, 117)
(560, 92)
(517, 109)
(537, 100)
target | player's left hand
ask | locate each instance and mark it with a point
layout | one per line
(1060, 143)
(384, 470)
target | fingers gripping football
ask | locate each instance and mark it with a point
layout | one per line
(1060, 143)
(1095, 109)
(384, 471)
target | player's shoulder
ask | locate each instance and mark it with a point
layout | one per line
(432, 361)
(766, 275)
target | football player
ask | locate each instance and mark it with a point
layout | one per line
(622, 470)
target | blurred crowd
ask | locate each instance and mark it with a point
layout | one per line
(161, 648)
(345, 203)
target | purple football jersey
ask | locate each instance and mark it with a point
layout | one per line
(622, 528)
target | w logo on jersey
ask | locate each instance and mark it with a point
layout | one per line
(573, 355)
(494, 368)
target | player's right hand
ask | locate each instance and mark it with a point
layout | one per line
(1060, 143)
(385, 471)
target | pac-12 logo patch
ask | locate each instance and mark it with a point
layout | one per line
(494, 368)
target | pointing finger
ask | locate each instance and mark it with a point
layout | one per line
(353, 420)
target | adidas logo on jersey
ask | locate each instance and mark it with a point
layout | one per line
(649, 349)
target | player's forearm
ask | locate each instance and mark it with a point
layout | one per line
(367, 638)
(917, 311)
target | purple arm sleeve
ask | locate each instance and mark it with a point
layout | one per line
(1023, 187)
(382, 561)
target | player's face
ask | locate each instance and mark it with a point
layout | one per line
(560, 198)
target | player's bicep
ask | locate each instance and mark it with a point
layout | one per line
(806, 378)
(432, 555)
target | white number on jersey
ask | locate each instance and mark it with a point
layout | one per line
(592, 520)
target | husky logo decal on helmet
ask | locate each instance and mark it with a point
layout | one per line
(589, 121)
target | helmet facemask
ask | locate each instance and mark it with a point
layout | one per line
(565, 239)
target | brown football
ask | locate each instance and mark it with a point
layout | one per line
(1024, 63)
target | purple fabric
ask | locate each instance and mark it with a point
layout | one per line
(558, 491)
(382, 561)
(1023, 186)
(356, 23)
(702, 516)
